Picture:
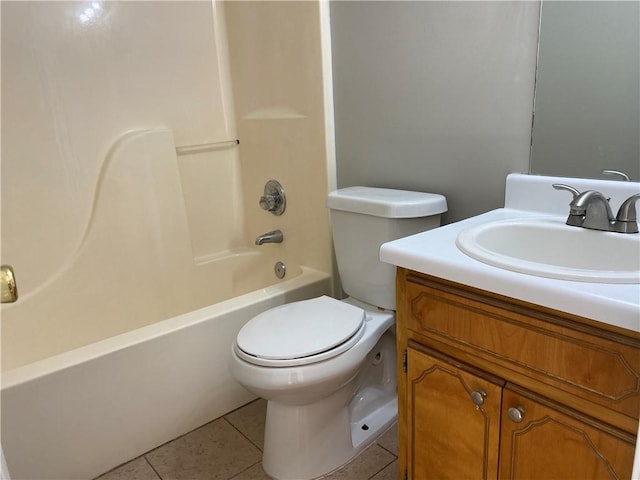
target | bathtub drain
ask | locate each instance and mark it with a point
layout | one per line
(280, 269)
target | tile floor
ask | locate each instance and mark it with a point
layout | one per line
(230, 448)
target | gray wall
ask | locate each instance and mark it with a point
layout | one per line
(434, 96)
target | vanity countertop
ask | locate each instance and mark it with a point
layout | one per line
(434, 252)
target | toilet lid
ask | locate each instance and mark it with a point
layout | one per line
(300, 330)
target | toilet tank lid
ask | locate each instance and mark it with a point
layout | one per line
(386, 202)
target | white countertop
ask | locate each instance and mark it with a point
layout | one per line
(434, 252)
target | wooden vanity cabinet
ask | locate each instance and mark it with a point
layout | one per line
(491, 387)
(449, 436)
(543, 440)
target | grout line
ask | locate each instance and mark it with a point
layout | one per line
(387, 450)
(152, 467)
(246, 438)
(242, 406)
(248, 468)
(387, 465)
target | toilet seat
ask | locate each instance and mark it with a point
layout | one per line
(300, 333)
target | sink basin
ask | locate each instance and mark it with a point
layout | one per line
(546, 247)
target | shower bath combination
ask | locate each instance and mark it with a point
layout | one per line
(131, 283)
(80, 379)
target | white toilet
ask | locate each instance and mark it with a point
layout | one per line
(327, 367)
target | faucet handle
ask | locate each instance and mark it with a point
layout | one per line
(627, 211)
(576, 215)
(623, 176)
(561, 186)
(627, 218)
(273, 199)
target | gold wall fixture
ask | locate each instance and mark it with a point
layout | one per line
(8, 283)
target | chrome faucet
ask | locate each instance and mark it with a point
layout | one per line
(591, 209)
(594, 209)
(270, 237)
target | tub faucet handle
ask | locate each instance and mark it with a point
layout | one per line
(273, 199)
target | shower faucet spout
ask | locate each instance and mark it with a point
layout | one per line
(270, 237)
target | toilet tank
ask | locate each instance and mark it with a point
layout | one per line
(363, 218)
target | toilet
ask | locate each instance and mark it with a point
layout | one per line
(327, 367)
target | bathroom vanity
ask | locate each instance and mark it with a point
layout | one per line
(493, 383)
(504, 374)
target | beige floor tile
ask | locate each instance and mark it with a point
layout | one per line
(365, 465)
(254, 473)
(137, 469)
(250, 421)
(216, 451)
(390, 472)
(389, 439)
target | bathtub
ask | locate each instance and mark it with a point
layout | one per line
(125, 346)
(80, 413)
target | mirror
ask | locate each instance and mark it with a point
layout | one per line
(587, 101)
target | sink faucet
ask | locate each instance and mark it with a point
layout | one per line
(594, 209)
(270, 237)
(591, 209)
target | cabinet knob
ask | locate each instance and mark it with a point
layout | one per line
(516, 414)
(478, 397)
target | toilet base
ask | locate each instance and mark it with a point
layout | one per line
(366, 430)
(306, 442)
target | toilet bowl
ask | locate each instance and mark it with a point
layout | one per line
(327, 367)
(319, 394)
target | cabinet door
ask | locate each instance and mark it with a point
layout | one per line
(540, 439)
(453, 420)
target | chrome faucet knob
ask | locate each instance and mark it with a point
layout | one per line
(627, 218)
(623, 176)
(268, 202)
(561, 186)
(273, 199)
(627, 211)
(576, 216)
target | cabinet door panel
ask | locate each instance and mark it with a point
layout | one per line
(552, 442)
(450, 437)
